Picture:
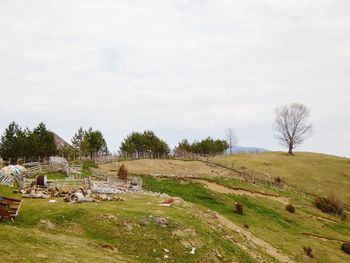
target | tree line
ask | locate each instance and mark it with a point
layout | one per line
(291, 126)
(39, 143)
(207, 146)
(17, 142)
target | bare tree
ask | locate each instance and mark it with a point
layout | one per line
(231, 138)
(291, 125)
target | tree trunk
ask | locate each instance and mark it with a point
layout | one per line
(290, 150)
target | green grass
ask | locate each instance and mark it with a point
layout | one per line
(76, 232)
(267, 219)
(314, 173)
(57, 175)
(62, 232)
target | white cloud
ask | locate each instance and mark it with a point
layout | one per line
(182, 68)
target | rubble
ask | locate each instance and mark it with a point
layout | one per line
(74, 195)
(161, 221)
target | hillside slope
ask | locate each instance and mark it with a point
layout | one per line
(134, 230)
(174, 167)
(314, 173)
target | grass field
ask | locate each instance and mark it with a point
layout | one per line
(88, 232)
(129, 231)
(269, 220)
(317, 174)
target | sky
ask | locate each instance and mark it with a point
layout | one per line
(184, 69)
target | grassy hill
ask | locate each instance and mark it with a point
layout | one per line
(134, 230)
(203, 216)
(314, 173)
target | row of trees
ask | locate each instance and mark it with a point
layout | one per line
(39, 143)
(89, 143)
(291, 126)
(291, 129)
(207, 146)
(145, 144)
(17, 142)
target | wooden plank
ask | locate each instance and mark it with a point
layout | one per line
(10, 199)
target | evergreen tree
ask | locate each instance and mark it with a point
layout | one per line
(205, 146)
(94, 143)
(146, 143)
(9, 143)
(43, 142)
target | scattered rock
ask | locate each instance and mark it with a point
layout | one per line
(46, 224)
(219, 255)
(193, 251)
(163, 195)
(161, 221)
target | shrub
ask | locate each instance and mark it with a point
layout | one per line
(123, 173)
(329, 205)
(290, 208)
(308, 252)
(239, 208)
(277, 181)
(346, 247)
(246, 226)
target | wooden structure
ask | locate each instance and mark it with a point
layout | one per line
(57, 164)
(9, 207)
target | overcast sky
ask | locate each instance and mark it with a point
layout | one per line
(184, 69)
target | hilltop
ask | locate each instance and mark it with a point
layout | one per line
(314, 173)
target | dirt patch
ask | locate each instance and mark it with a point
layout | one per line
(272, 251)
(239, 191)
(174, 168)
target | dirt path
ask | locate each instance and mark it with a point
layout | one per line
(323, 219)
(323, 238)
(226, 190)
(272, 251)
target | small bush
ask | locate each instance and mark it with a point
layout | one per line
(239, 208)
(278, 181)
(290, 208)
(308, 252)
(329, 205)
(123, 173)
(246, 226)
(346, 247)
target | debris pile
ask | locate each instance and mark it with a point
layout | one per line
(12, 173)
(114, 185)
(74, 195)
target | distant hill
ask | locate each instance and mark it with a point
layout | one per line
(244, 149)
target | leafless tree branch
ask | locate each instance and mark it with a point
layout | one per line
(231, 138)
(291, 125)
